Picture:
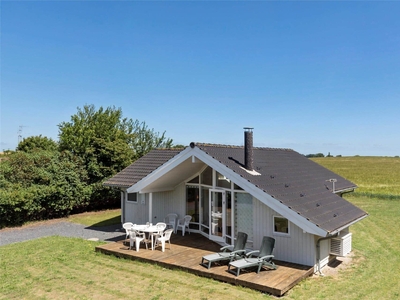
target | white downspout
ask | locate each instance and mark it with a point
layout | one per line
(151, 207)
(122, 207)
(319, 251)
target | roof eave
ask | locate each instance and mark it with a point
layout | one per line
(347, 225)
(116, 185)
(160, 171)
(346, 190)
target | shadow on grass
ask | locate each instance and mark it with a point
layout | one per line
(108, 222)
(112, 225)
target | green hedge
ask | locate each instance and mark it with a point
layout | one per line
(41, 185)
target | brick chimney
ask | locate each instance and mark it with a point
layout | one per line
(248, 148)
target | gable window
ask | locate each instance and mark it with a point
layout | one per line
(223, 182)
(206, 176)
(132, 197)
(194, 180)
(281, 225)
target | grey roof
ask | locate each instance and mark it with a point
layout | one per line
(289, 177)
(141, 168)
(295, 181)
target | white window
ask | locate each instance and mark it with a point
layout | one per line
(132, 197)
(281, 225)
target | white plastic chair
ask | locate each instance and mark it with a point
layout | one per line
(183, 224)
(170, 220)
(135, 238)
(164, 238)
(160, 227)
(127, 226)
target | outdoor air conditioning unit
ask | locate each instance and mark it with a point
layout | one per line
(341, 245)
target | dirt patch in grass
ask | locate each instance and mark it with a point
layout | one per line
(340, 264)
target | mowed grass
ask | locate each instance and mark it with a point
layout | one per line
(68, 268)
(374, 272)
(97, 219)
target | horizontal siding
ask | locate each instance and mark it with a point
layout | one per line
(299, 247)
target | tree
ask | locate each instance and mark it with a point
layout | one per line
(34, 143)
(146, 139)
(106, 141)
(40, 185)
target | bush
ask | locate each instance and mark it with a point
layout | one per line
(41, 185)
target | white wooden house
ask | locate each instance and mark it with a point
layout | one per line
(260, 191)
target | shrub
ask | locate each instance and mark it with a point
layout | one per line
(41, 185)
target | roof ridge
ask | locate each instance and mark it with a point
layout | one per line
(171, 149)
(238, 147)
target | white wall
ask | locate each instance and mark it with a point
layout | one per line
(299, 247)
(324, 252)
(163, 204)
(137, 212)
(169, 202)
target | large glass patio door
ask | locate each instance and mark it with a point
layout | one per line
(217, 215)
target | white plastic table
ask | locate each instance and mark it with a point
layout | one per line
(147, 229)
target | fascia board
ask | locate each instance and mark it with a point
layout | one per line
(348, 225)
(160, 171)
(144, 191)
(265, 198)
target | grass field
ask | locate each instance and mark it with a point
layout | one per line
(377, 177)
(66, 268)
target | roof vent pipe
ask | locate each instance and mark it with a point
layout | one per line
(248, 148)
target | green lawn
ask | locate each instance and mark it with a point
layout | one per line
(67, 268)
(97, 219)
(376, 245)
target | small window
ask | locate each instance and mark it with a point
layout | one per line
(206, 176)
(281, 225)
(223, 182)
(236, 187)
(132, 197)
(194, 180)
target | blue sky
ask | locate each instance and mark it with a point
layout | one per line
(313, 76)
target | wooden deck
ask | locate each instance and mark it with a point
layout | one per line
(186, 253)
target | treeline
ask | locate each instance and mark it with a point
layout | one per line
(46, 179)
(321, 155)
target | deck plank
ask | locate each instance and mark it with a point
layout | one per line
(186, 253)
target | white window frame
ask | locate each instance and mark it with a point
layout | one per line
(286, 234)
(132, 201)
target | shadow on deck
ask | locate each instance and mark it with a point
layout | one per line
(186, 253)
